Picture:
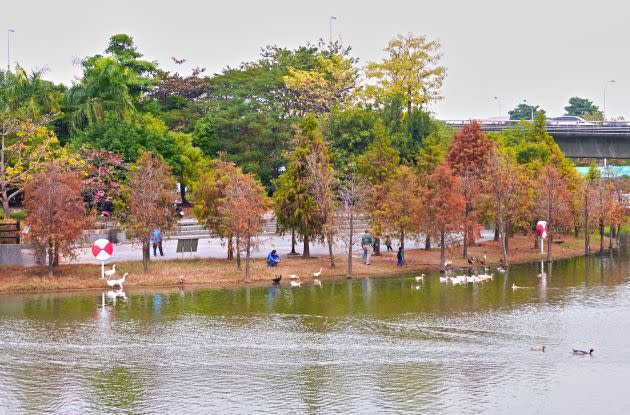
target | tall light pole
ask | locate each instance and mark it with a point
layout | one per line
(331, 19)
(498, 102)
(9, 48)
(612, 81)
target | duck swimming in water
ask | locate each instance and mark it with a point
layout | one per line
(582, 352)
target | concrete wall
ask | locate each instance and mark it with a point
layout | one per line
(11, 254)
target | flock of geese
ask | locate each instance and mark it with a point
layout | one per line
(115, 282)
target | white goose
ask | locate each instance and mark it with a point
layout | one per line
(295, 283)
(317, 274)
(501, 269)
(111, 272)
(443, 280)
(515, 287)
(420, 278)
(294, 277)
(317, 282)
(118, 282)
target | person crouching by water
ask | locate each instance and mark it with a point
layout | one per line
(400, 257)
(273, 258)
(366, 244)
(156, 239)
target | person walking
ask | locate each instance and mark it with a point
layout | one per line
(400, 257)
(156, 239)
(388, 243)
(367, 242)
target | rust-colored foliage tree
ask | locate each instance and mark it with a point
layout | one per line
(353, 193)
(152, 195)
(400, 200)
(243, 211)
(442, 208)
(553, 203)
(506, 194)
(56, 213)
(467, 157)
(208, 193)
(322, 182)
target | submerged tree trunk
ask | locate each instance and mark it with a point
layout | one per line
(427, 243)
(306, 254)
(146, 255)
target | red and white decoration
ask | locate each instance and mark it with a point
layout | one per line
(542, 229)
(102, 249)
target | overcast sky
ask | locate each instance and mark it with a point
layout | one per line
(542, 51)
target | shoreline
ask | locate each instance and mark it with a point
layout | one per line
(222, 273)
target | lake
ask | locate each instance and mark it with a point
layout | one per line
(375, 345)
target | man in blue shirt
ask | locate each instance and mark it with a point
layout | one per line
(273, 258)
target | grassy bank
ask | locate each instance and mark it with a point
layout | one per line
(221, 272)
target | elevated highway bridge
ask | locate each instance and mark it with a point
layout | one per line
(593, 140)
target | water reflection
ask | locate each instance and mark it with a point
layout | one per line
(363, 346)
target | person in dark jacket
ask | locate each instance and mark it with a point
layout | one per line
(400, 257)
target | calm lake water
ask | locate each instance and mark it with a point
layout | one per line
(361, 346)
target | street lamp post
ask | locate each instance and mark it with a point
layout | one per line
(331, 19)
(498, 102)
(9, 48)
(612, 81)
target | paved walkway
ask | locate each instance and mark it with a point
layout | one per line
(215, 248)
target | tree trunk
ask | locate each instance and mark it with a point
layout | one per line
(377, 246)
(535, 240)
(610, 237)
(238, 252)
(293, 242)
(146, 255)
(402, 239)
(350, 246)
(5, 205)
(506, 240)
(549, 244)
(248, 273)
(427, 243)
(230, 247)
(618, 234)
(51, 257)
(182, 191)
(587, 236)
(465, 250)
(329, 238)
(601, 236)
(496, 233)
(442, 251)
(504, 245)
(306, 254)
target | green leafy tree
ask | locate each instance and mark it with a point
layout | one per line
(410, 71)
(580, 107)
(525, 112)
(294, 203)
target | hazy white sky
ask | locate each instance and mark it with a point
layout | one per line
(543, 51)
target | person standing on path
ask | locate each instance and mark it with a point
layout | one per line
(156, 239)
(366, 242)
(388, 243)
(400, 257)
